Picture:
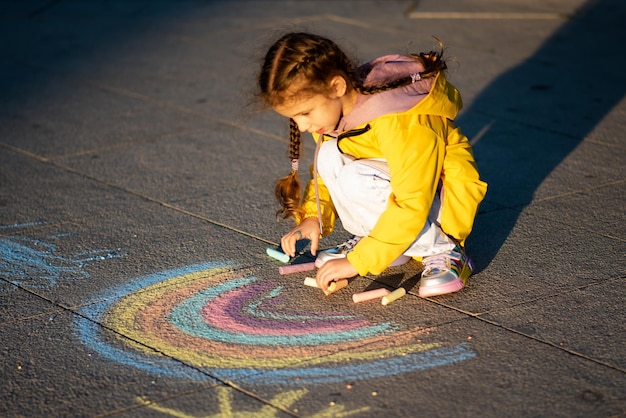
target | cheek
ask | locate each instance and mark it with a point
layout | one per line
(333, 113)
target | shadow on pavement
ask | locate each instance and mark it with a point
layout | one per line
(529, 119)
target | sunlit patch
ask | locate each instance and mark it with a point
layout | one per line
(225, 323)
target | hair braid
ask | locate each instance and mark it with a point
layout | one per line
(287, 188)
(294, 140)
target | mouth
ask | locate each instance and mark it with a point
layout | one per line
(320, 131)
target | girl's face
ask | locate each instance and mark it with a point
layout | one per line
(319, 113)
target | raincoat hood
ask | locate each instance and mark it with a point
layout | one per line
(434, 95)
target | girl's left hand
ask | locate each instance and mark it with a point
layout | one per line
(309, 228)
(334, 270)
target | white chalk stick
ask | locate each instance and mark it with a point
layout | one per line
(396, 294)
(370, 294)
(278, 255)
(296, 268)
(310, 281)
(334, 286)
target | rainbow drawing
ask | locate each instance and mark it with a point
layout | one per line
(213, 321)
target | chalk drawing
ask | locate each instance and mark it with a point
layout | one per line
(34, 264)
(285, 399)
(21, 225)
(215, 321)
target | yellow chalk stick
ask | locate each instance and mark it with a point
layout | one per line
(310, 281)
(396, 294)
(334, 286)
(370, 294)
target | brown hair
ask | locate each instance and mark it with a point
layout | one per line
(316, 60)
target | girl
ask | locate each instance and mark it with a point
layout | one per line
(389, 161)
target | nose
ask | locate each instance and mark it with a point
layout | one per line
(302, 125)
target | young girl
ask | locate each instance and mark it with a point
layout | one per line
(389, 161)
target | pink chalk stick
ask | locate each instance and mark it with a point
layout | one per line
(370, 294)
(296, 268)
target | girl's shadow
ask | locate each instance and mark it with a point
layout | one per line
(528, 120)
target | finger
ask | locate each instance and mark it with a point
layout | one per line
(292, 240)
(315, 240)
(288, 244)
(323, 277)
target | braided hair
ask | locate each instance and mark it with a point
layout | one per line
(313, 61)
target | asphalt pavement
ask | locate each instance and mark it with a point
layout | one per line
(136, 208)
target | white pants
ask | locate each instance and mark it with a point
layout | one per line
(360, 190)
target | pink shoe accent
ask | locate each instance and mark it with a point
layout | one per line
(442, 289)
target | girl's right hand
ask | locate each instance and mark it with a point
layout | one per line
(309, 228)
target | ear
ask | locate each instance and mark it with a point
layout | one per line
(338, 85)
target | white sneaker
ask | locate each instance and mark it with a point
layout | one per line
(342, 250)
(339, 251)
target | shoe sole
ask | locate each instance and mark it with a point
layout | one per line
(450, 287)
(441, 289)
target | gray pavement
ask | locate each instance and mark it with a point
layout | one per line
(136, 177)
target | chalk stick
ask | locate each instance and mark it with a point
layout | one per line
(278, 255)
(310, 281)
(334, 286)
(370, 294)
(396, 294)
(296, 268)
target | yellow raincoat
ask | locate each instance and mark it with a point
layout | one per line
(422, 147)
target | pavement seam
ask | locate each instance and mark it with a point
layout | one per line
(479, 316)
(131, 143)
(227, 383)
(579, 191)
(134, 193)
(182, 109)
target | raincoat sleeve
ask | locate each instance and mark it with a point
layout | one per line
(415, 153)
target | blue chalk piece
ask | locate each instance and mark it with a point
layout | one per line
(278, 255)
